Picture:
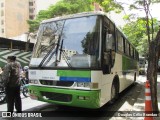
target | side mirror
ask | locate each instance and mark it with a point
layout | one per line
(107, 63)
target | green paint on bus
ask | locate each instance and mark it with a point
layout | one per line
(91, 98)
(73, 73)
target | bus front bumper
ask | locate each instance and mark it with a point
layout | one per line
(70, 97)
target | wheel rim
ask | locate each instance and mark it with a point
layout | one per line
(25, 91)
(2, 96)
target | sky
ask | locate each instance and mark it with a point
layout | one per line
(44, 4)
(118, 18)
(154, 9)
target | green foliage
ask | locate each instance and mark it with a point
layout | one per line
(65, 7)
(136, 33)
(62, 7)
(34, 25)
(140, 31)
(110, 5)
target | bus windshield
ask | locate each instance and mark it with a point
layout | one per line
(68, 43)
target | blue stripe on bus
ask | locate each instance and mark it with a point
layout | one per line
(75, 79)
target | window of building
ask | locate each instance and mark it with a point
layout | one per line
(31, 17)
(2, 22)
(2, 30)
(2, 4)
(31, 10)
(30, 3)
(2, 13)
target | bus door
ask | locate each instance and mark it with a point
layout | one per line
(108, 48)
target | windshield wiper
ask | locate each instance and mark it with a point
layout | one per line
(45, 57)
(62, 52)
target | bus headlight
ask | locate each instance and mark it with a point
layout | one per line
(83, 84)
(33, 81)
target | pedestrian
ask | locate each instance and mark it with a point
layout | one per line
(26, 68)
(11, 80)
(1, 70)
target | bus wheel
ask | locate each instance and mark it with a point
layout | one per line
(114, 93)
(134, 78)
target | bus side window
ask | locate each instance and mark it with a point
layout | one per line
(109, 40)
(120, 42)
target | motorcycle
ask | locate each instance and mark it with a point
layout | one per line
(24, 87)
(24, 90)
(2, 94)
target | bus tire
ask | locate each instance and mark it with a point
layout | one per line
(2, 94)
(134, 78)
(114, 91)
(25, 91)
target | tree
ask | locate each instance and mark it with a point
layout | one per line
(154, 47)
(65, 7)
(110, 5)
(136, 33)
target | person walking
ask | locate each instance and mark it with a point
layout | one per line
(11, 80)
(1, 70)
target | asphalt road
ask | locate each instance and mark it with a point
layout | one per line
(125, 102)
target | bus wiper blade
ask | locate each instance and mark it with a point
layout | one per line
(50, 58)
(62, 52)
(45, 57)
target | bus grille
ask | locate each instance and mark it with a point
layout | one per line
(57, 83)
(57, 96)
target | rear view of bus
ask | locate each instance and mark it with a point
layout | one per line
(71, 65)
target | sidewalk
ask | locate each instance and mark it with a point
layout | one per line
(140, 103)
(135, 111)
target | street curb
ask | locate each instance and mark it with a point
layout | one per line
(139, 105)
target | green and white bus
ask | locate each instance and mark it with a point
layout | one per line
(81, 60)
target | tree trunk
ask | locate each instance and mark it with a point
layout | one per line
(152, 70)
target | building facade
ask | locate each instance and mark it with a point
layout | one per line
(14, 15)
(32, 9)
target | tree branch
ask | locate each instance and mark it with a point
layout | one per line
(151, 23)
